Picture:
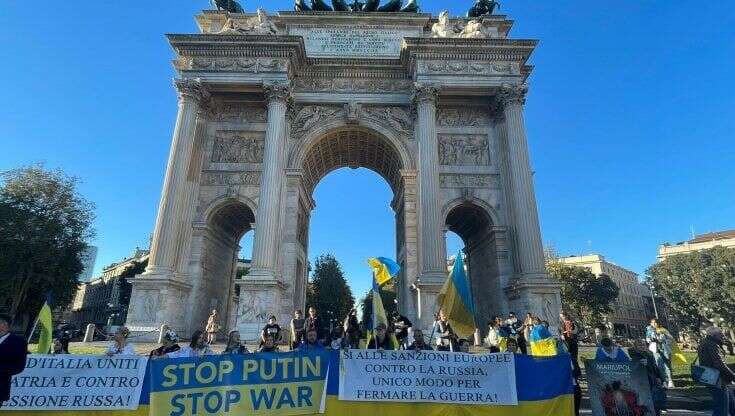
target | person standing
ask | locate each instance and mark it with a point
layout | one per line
(492, 340)
(313, 323)
(569, 336)
(609, 352)
(710, 354)
(639, 353)
(381, 340)
(660, 343)
(351, 329)
(212, 327)
(446, 339)
(197, 347)
(269, 345)
(516, 331)
(120, 345)
(401, 325)
(13, 352)
(311, 342)
(297, 329)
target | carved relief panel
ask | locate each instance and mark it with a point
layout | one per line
(238, 113)
(237, 147)
(463, 117)
(396, 117)
(463, 150)
(309, 116)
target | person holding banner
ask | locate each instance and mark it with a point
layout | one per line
(381, 340)
(170, 344)
(351, 329)
(269, 345)
(271, 329)
(58, 347)
(609, 352)
(13, 352)
(419, 344)
(639, 353)
(312, 341)
(234, 345)
(492, 340)
(120, 344)
(401, 325)
(313, 322)
(197, 347)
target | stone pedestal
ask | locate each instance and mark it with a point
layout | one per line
(258, 300)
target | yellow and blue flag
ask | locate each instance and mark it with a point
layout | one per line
(455, 299)
(542, 343)
(384, 269)
(45, 324)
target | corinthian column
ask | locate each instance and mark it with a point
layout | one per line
(525, 214)
(173, 203)
(265, 243)
(433, 260)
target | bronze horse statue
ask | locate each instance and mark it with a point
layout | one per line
(231, 6)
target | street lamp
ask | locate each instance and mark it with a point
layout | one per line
(653, 299)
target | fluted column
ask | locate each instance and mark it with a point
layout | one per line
(265, 243)
(529, 248)
(433, 262)
(162, 259)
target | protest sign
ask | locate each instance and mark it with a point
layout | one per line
(253, 384)
(618, 388)
(78, 382)
(427, 376)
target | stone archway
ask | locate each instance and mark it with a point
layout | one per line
(215, 247)
(475, 226)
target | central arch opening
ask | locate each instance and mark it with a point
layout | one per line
(369, 223)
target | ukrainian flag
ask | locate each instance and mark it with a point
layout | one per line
(676, 355)
(455, 299)
(384, 269)
(542, 343)
(45, 324)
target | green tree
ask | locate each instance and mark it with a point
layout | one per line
(588, 296)
(44, 226)
(387, 295)
(697, 287)
(329, 292)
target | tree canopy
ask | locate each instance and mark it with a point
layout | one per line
(697, 287)
(329, 292)
(587, 296)
(44, 227)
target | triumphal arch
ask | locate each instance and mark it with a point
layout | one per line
(270, 104)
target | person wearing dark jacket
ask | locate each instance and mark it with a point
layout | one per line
(381, 340)
(13, 352)
(639, 353)
(710, 354)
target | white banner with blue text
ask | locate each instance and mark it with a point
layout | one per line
(427, 376)
(78, 382)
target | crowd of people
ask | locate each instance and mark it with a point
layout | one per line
(655, 352)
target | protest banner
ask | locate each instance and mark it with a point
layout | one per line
(618, 388)
(427, 376)
(78, 382)
(253, 384)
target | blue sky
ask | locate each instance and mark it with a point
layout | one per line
(630, 121)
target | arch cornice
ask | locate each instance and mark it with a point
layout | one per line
(301, 145)
(489, 210)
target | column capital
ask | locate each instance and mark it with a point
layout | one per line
(277, 91)
(512, 94)
(425, 93)
(192, 89)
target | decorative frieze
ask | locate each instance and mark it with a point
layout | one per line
(253, 65)
(353, 85)
(463, 117)
(237, 147)
(468, 181)
(469, 67)
(230, 178)
(238, 113)
(396, 117)
(463, 150)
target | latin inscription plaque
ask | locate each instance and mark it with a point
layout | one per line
(346, 41)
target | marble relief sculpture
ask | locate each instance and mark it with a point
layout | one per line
(259, 25)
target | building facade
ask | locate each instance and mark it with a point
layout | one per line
(269, 105)
(104, 300)
(700, 242)
(629, 317)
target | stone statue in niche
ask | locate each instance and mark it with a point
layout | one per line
(259, 25)
(463, 150)
(237, 148)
